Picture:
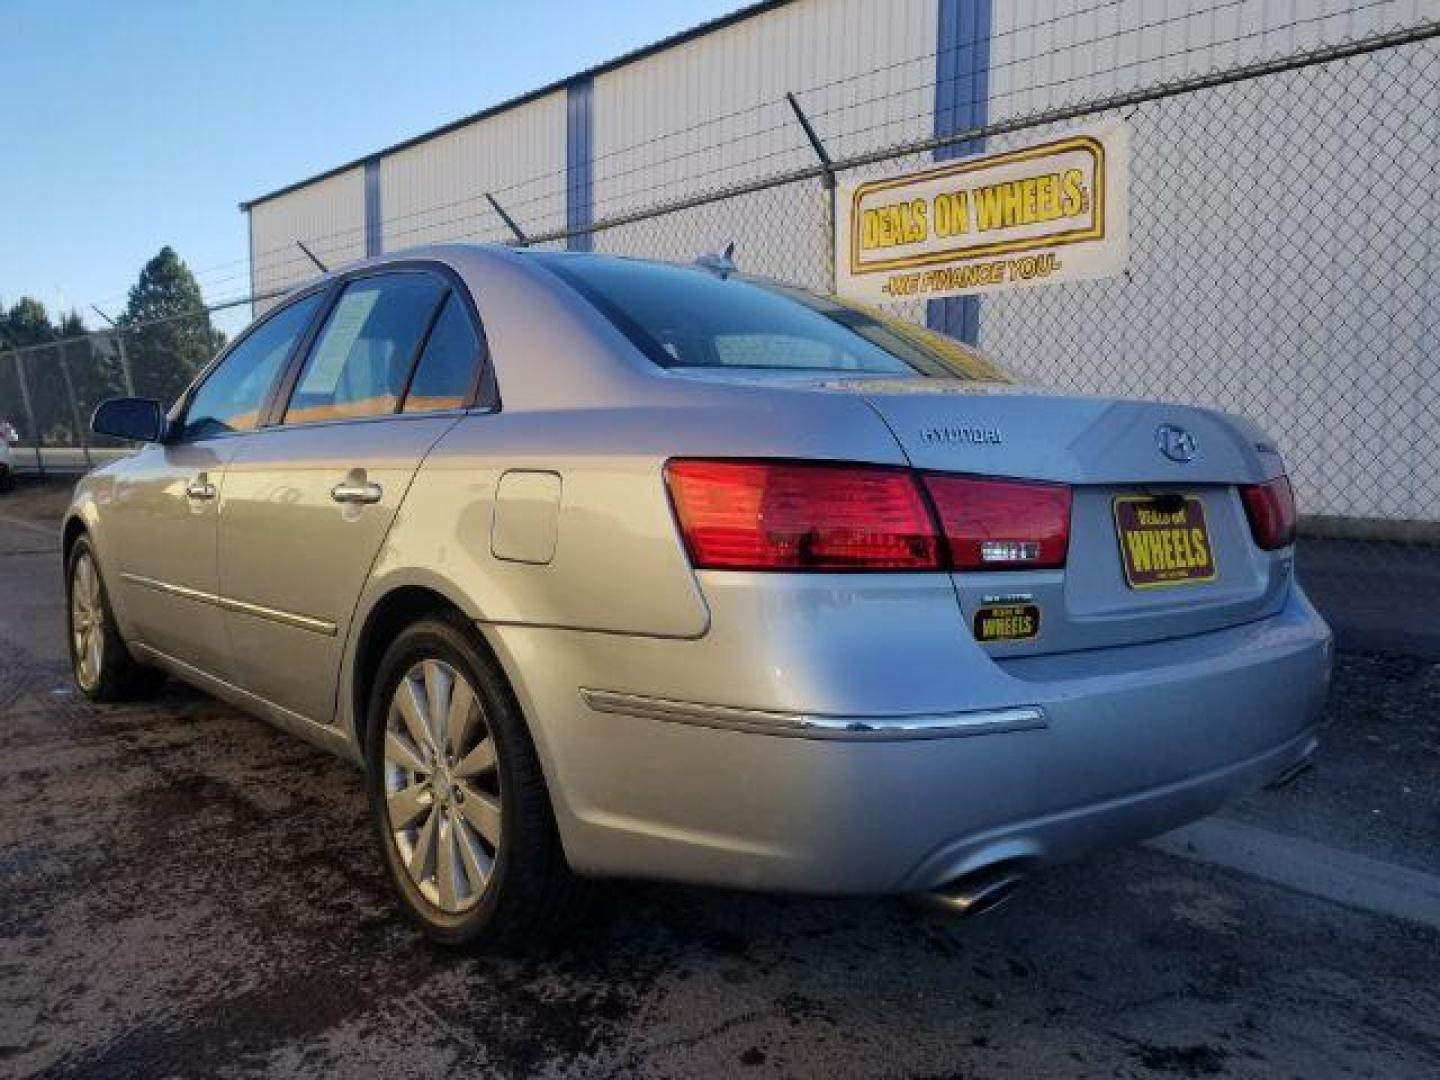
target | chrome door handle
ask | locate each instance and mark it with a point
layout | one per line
(351, 491)
(200, 488)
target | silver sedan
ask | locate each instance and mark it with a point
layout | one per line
(610, 568)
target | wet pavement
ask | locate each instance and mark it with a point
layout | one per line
(185, 891)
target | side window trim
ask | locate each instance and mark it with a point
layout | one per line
(424, 340)
(181, 409)
(274, 415)
(274, 409)
(483, 391)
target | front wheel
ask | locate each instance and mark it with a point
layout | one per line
(457, 797)
(102, 665)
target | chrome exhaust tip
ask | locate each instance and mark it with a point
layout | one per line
(974, 893)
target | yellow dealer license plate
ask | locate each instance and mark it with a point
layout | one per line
(1160, 547)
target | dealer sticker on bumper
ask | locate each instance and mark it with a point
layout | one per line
(1007, 622)
(1163, 546)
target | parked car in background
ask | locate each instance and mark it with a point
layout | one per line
(612, 568)
(9, 437)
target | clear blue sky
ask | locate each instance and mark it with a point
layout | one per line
(127, 126)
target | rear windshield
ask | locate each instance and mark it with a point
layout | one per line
(689, 317)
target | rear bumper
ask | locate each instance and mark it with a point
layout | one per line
(1130, 742)
(1078, 831)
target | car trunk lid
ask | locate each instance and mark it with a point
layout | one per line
(1159, 542)
(1108, 453)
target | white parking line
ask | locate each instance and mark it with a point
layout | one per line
(1308, 867)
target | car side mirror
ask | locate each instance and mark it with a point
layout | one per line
(136, 419)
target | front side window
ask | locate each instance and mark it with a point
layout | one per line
(688, 317)
(362, 356)
(231, 397)
(446, 370)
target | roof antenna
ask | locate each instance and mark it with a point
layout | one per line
(722, 264)
(311, 256)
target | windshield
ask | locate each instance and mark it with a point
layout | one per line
(689, 317)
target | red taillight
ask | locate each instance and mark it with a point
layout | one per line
(755, 515)
(741, 515)
(1002, 524)
(1271, 509)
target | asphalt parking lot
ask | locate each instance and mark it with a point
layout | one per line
(187, 892)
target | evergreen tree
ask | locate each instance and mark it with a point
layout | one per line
(168, 335)
(24, 324)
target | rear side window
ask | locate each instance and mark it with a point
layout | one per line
(447, 366)
(231, 398)
(687, 317)
(362, 356)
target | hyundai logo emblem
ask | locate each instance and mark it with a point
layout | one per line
(1175, 442)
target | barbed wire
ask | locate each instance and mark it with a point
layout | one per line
(325, 244)
(761, 106)
(283, 258)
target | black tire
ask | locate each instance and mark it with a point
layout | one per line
(531, 893)
(120, 677)
(7, 479)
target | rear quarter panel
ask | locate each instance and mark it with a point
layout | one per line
(618, 603)
(618, 566)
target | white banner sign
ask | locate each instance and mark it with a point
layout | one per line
(1054, 211)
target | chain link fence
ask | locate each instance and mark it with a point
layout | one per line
(48, 392)
(1284, 265)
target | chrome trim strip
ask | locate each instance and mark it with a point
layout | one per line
(813, 726)
(285, 618)
(288, 618)
(166, 587)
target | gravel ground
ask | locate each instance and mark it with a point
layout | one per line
(1376, 786)
(187, 892)
(37, 500)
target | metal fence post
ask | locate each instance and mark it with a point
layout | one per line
(125, 372)
(520, 237)
(29, 409)
(80, 433)
(120, 346)
(827, 178)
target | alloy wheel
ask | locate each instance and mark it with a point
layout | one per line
(87, 621)
(442, 786)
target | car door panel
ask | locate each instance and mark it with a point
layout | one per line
(310, 500)
(168, 585)
(294, 554)
(164, 512)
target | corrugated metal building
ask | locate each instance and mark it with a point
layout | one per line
(707, 109)
(697, 111)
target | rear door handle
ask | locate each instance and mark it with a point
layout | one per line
(357, 491)
(200, 488)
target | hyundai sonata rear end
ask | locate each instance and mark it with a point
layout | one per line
(951, 624)
(613, 568)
